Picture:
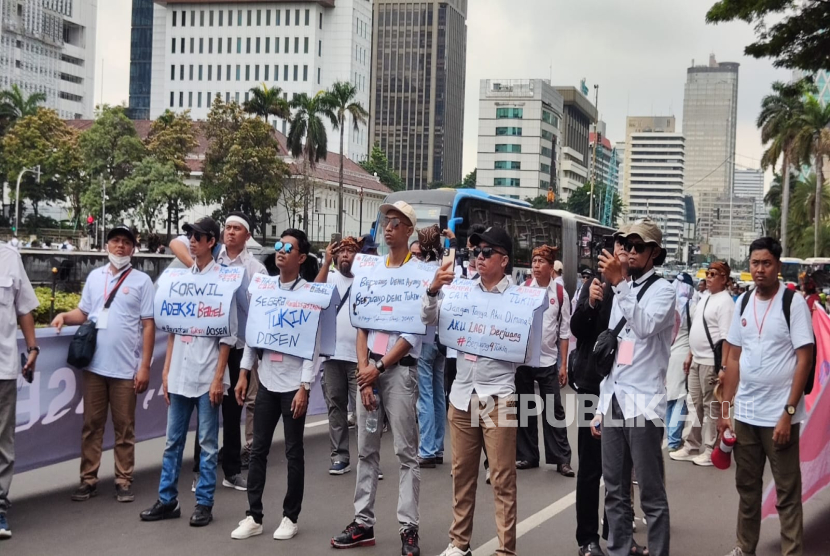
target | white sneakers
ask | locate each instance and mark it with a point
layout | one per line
(684, 454)
(247, 528)
(287, 530)
(738, 552)
(704, 459)
(452, 550)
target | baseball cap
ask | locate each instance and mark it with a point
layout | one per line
(122, 230)
(650, 233)
(494, 237)
(404, 208)
(206, 226)
(587, 273)
(557, 266)
(369, 243)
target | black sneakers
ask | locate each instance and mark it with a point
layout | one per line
(84, 493)
(409, 542)
(124, 493)
(591, 549)
(355, 535)
(202, 515)
(160, 511)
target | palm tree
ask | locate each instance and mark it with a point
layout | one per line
(777, 122)
(267, 102)
(15, 104)
(802, 210)
(341, 99)
(307, 135)
(811, 142)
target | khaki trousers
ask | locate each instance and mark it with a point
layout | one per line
(753, 448)
(706, 406)
(117, 395)
(469, 433)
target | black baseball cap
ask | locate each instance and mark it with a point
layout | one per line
(122, 230)
(494, 237)
(587, 273)
(368, 243)
(206, 226)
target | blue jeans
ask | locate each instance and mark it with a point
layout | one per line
(675, 414)
(178, 421)
(432, 403)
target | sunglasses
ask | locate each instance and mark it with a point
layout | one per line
(639, 248)
(284, 247)
(395, 222)
(713, 274)
(485, 252)
(192, 234)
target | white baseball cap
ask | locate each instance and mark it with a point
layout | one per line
(404, 208)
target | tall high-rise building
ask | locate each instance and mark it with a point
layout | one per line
(141, 59)
(418, 80)
(710, 109)
(607, 166)
(203, 49)
(48, 46)
(518, 137)
(749, 183)
(654, 176)
(578, 116)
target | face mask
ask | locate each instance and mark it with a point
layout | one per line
(119, 262)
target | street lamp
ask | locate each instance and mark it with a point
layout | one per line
(34, 170)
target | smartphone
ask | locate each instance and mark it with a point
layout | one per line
(443, 222)
(28, 375)
(335, 238)
(608, 243)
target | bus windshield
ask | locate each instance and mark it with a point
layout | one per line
(790, 271)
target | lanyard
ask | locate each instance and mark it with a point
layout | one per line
(294, 285)
(406, 260)
(761, 328)
(106, 283)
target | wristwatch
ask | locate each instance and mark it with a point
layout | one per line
(790, 410)
(33, 348)
(306, 386)
(430, 294)
(380, 366)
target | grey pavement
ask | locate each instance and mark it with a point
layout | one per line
(44, 521)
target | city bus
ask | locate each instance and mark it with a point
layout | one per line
(579, 239)
(791, 267)
(817, 263)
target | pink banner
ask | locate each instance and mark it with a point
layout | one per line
(815, 431)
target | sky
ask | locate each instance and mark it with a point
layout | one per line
(637, 51)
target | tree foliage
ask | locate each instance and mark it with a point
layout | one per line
(153, 187)
(378, 163)
(793, 34)
(579, 202)
(15, 104)
(172, 138)
(267, 101)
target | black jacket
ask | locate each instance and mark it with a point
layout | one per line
(586, 325)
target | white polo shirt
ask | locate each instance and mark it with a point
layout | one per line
(17, 298)
(118, 346)
(768, 356)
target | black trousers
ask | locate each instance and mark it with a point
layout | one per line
(268, 409)
(589, 450)
(557, 448)
(231, 417)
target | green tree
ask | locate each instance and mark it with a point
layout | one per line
(341, 99)
(15, 104)
(793, 34)
(265, 102)
(811, 143)
(378, 163)
(153, 185)
(801, 218)
(470, 180)
(579, 202)
(541, 202)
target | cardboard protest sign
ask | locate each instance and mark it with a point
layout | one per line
(289, 321)
(197, 304)
(506, 327)
(389, 299)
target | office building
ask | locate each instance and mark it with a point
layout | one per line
(606, 169)
(733, 227)
(48, 46)
(518, 137)
(654, 177)
(203, 50)
(749, 183)
(710, 108)
(418, 83)
(578, 116)
(141, 60)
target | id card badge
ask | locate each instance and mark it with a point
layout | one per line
(103, 319)
(470, 357)
(625, 352)
(381, 343)
(186, 339)
(276, 357)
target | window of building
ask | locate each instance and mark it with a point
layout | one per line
(321, 20)
(202, 18)
(547, 152)
(247, 72)
(228, 73)
(287, 18)
(319, 48)
(266, 67)
(210, 73)
(297, 18)
(173, 72)
(250, 14)
(318, 76)
(238, 72)
(181, 99)
(199, 100)
(507, 182)
(200, 72)
(305, 73)
(182, 46)
(285, 72)
(258, 18)
(221, 18)
(247, 97)
(511, 113)
(508, 131)
(181, 72)
(257, 45)
(184, 18)
(236, 98)
(287, 45)
(507, 165)
(547, 135)
(267, 17)
(544, 168)
(256, 72)
(210, 46)
(230, 45)
(248, 45)
(227, 97)
(544, 184)
(307, 18)
(174, 19)
(238, 24)
(277, 14)
(210, 18)
(276, 73)
(201, 46)
(267, 45)
(276, 45)
(296, 45)
(172, 94)
(192, 45)
(230, 18)
(219, 73)
(504, 148)
(191, 72)
(305, 45)
(296, 72)
(239, 45)
(193, 18)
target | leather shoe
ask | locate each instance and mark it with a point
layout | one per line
(565, 470)
(426, 462)
(525, 465)
(201, 516)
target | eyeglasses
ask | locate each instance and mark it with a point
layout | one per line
(713, 274)
(284, 247)
(485, 252)
(192, 234)
(639, 248)
(395, 222)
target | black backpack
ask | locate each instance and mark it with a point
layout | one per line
(787, 304)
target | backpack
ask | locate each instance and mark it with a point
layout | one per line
(786, 303)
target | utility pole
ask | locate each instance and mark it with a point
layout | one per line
(360, 227)
(36, 171)
(103, 212)
(596, 140)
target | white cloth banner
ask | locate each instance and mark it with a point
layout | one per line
(289, 321)
(197, 304)
(389, 299)
(506, 327)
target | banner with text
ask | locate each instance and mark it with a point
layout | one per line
(290, 321)
(506, 327)
(389, 299)
(197, 304)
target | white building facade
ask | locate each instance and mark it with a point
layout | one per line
(518, 137)
(208, 49)
(48, 46)
(750, 183)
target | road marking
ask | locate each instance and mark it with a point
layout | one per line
(317, 424)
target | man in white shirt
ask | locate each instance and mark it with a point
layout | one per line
(67, 245)
(17, 301)
(340, 371)
(195, 377)
(709, 328)
(120, 368)
(558, 269)
(556, 333)
(285, 381)
(479, 379)
(767, 370)
(632, 403)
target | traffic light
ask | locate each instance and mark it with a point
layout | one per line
(90, 226)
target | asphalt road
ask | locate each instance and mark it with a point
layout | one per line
(44, 521)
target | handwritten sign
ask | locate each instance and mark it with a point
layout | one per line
(290, 321)
(197, 304)
(506, 327)
(389, 299)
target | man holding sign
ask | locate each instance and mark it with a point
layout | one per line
(196, 306)
(388, 383)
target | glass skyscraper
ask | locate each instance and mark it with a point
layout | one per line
(141, 59)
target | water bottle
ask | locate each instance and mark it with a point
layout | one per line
(372, 418)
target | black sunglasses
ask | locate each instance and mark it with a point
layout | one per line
(486, 252)
(197, 235)
(640, 248)
(394, 221)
